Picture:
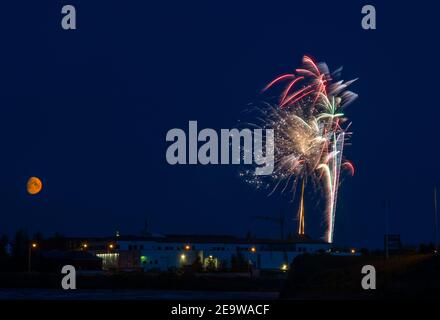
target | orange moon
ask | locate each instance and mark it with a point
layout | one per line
(34, 185)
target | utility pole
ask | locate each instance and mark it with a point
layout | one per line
(29, 259)
(386, 230)
(435, 220)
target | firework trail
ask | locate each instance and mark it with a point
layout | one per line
(310, 133)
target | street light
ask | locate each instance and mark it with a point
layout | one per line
(33, 245)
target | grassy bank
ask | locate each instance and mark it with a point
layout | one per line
(336, 277)
(163, 281)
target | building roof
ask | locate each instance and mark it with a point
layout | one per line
(199, 238)
(69, 255)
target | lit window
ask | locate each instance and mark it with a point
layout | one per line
(109, 260)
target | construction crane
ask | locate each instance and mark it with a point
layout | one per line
(279, 220)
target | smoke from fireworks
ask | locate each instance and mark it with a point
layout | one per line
(310, 132)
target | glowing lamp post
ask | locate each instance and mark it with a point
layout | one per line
(183, 259)
(32, 246)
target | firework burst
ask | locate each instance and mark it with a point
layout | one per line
(310, 132)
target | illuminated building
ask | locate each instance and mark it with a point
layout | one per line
(162, 253)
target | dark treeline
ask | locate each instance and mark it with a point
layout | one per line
(15, 251)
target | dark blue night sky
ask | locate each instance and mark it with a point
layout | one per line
(87, 111)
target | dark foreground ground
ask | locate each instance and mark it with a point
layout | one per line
(129, 286)
(148, 281)
(411, 276)
(58, 294)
